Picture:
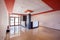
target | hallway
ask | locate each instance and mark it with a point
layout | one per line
(41, 33)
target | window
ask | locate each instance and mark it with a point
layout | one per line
(11, 21)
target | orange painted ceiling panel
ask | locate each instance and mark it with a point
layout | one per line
(55, 4)
(9, 5)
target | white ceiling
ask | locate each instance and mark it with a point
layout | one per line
(36, 5)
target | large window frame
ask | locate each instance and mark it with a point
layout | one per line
(15, 22)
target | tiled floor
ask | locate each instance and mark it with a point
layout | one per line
(41, 33)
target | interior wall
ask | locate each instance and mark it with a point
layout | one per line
(0, 19)
(3, 20)
(51, 20)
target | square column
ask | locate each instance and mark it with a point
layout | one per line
(28, 21)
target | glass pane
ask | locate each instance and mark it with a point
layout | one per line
(16, 23)
(11, 21)
(35, 23)
(16, 19)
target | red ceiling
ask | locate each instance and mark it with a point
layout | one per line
(55, 4)
(9, 5)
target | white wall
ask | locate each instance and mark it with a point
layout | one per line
(0, 19)
(51, 20)
(3, 20)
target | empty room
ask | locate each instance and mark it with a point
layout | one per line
(29, 19)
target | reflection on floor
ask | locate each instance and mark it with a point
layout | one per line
(15, 30)
(41, 33)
